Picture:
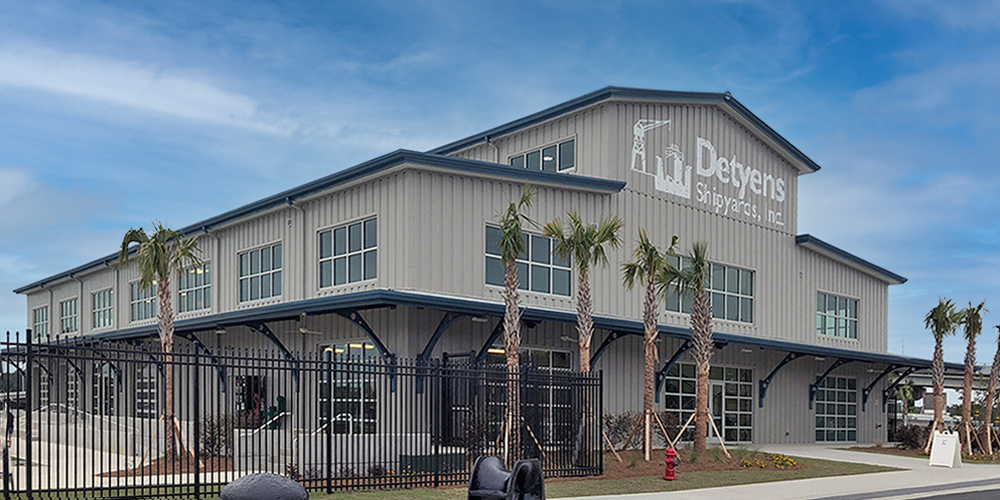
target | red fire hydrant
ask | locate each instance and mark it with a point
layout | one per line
(672, 461)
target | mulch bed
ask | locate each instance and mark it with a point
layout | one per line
(160, 467)
(634, 464)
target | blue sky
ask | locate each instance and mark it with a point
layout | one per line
(115, 114)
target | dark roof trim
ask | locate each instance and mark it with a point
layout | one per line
(629, 93)
(357, 172)
(391, 298)
(819, 246)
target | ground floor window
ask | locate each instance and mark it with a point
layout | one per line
(837, 410)
(43, 389)
(72, 391)
(103, 379)
(146, 393)
(730, 399)
(352, 389)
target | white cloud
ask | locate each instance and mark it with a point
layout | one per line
(142, 87)
(958, 14)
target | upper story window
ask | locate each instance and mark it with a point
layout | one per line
(836, 316)
(348, 254)
(40, 321)
(195, 288)
(142, 301)
(260, 273)
(69, 316)
(102, 308)
(730, 293)
(538, 270)
(554, 158)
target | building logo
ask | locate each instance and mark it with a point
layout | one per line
(741, 185)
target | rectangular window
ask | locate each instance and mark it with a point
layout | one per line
(102, 309)
(69, 316)
(553, 158)
(195, 288)
(348, 254)
(837, 410)
(260, 273)
(354, 393)
(836, 316)
(730, 399)
(103, 389)
(729, 289)
(146, 392)
(142, 301)
(40, 321)
(538, 270)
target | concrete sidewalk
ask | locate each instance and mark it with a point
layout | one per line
(918, 480)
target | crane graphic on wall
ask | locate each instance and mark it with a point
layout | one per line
(679, 183)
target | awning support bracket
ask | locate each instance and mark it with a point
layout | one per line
(262, 328)
(354, 316)
(871, 387)
(220, 369)
(766, 381)
(610, 339)
(425, 355)
(892, 387)
(813, 387)
(494, 335)
(662, 374)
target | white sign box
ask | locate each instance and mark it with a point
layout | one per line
(946, 450)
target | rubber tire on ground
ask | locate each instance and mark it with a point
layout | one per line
(264, 486)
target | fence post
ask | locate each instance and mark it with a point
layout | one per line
(27, 412)
(197, 426)
(600, 418)
(327, 394)
(436, 412)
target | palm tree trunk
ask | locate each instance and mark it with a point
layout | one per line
(585, 319)
(165, 317)
(650, 314)
(701, 338)
(512, 346)
(937, 378)
(970, 362)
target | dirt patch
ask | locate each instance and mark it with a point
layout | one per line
(159, 467)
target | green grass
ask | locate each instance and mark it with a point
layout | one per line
(594, 486)
(966, 459)
(587, 487)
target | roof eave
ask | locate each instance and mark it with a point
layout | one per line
(823, 248)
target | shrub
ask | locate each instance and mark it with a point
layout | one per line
(292, 471)
(618, 426)
(912, 437)
(217, 435)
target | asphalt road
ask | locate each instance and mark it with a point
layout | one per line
(972, 495)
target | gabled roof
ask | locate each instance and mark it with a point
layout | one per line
(823, 248)
(723, 99)
(382, 164)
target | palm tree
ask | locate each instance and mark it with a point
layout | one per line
(692, 280)
(972, 321)
(585, 245)
(904, 394)
(157, 257)
(649, 263)
(512, 244)
(991, 392)
(941, 321)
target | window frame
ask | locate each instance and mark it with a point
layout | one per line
(825, 316)
(205, 287)
(109, 310)
(823, 403)
(250, 275)
(45, 321)
(147, 300)
(74, 318)
(365, 380)
(557, 159)
(526, 262)
(683, 303)
(362, 253)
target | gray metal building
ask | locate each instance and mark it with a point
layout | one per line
(395, 256)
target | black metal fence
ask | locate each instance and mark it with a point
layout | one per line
(90, 420)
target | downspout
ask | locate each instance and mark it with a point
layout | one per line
(496, 154)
